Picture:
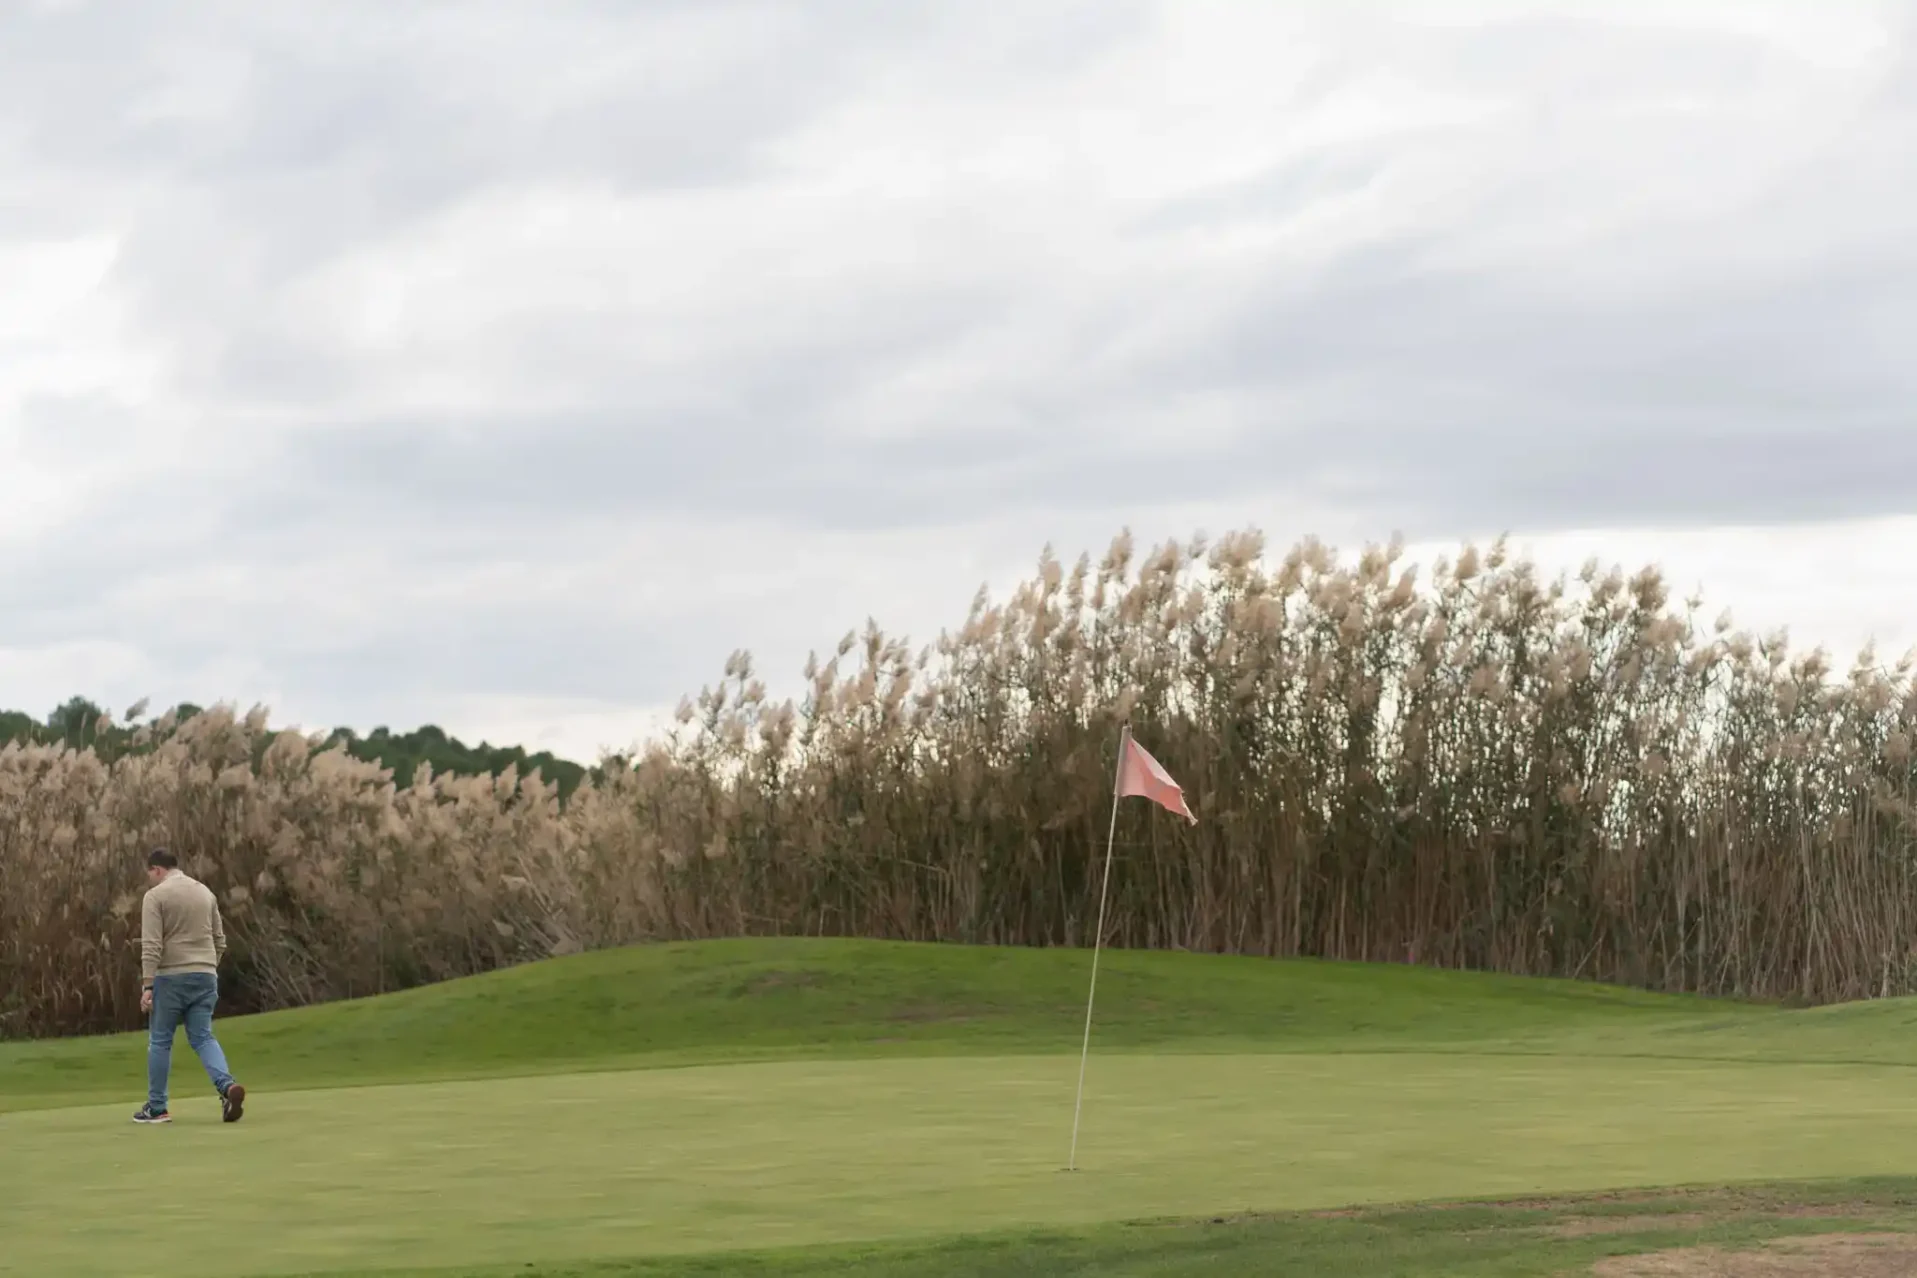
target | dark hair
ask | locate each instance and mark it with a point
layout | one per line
(161, 859)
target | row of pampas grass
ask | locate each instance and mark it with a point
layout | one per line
(1487, 769)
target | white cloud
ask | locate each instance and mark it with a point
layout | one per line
(507, 367)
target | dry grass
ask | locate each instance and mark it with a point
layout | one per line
(1488, 770)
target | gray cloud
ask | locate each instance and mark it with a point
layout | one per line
(477, 351)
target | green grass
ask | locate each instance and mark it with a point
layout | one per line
(785, 1154)
(1477, 1239)
(863, 1098)
(727, 1001)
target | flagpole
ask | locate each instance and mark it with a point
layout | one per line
(1098, 940)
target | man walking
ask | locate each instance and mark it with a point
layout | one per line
(181, 945)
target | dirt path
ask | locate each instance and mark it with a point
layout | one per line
(1827, 1256)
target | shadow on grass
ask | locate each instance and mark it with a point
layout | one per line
(1560, 1235)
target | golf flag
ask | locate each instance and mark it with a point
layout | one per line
(1141, 776)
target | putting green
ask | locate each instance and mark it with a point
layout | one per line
(753, 1155)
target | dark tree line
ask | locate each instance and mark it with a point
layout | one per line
(83, 724)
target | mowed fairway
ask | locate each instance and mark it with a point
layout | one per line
(687, 1099)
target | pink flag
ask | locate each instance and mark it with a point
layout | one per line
(1144, 777)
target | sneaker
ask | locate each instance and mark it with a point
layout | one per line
(232, 1103)
(147, 1115)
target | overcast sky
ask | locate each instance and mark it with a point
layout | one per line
(507, 365)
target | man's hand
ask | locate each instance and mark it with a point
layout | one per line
(146, 1000)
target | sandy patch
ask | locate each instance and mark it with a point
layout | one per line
(1588, 1226)
(1825, 1256)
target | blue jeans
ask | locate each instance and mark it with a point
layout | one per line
(186, 999)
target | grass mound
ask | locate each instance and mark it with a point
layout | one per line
(833, 1091)
(717, 1001)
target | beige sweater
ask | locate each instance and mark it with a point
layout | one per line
(180, 929)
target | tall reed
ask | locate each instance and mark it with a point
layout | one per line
(1489, 770)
